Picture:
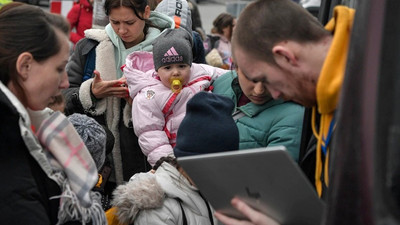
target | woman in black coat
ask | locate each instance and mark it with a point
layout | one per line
(38, 186)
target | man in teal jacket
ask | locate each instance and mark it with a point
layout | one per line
(261, 120)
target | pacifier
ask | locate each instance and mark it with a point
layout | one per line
(176, 85)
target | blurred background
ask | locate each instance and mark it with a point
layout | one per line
(208, 9)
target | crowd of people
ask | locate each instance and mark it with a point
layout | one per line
(92, 137)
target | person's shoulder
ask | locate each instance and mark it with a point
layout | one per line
(230, 75)
(293, 106)
(284, 109)
(85, 45)
(161, 20)
(87, 41)
(225, 79)
(289, 105)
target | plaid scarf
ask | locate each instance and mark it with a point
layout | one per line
(74, 168)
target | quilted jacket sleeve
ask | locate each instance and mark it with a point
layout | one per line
(287, 130)
(148, 123)
(204, 69)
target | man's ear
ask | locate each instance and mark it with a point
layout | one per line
(284, 56)
(24, 64)
(146, 14)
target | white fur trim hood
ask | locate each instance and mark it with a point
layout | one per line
(151, 198)
(142, 192)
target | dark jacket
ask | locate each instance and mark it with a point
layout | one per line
(308, 148)
(27, 189)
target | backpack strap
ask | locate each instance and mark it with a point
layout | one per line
(183, 211)
(90, 64)
(210, 216)
(237, 115)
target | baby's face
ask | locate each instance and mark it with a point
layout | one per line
(170, 72)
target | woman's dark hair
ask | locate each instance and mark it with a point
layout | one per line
(222, 21)
(138, 6)
(26, 28)
(169, 159)
(59, 22)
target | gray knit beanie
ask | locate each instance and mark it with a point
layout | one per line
(173, 46)
(92, 134)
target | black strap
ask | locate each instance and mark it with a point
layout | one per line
(210, 216)
(183, 211)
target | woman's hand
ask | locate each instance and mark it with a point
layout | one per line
(255, 217)
(113, 88)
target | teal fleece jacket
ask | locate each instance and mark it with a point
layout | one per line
(274, 123)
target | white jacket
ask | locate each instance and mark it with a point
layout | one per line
(151, 198)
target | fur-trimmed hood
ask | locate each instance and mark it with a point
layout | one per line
(142, 192)
(150, 190)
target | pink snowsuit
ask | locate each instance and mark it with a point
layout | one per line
(157, 111)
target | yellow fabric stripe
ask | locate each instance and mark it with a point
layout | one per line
(323, 131)
(326, 168)
(332, 73)
(330, 83)
(112, 218)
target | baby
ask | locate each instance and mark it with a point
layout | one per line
(160, 85)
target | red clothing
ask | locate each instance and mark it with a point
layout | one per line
(243, 100)
(80, 17)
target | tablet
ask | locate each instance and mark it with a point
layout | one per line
(267, 179)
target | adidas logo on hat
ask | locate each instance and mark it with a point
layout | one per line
(172, 56)
(173, 46)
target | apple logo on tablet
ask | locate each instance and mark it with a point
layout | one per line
(251, 194)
